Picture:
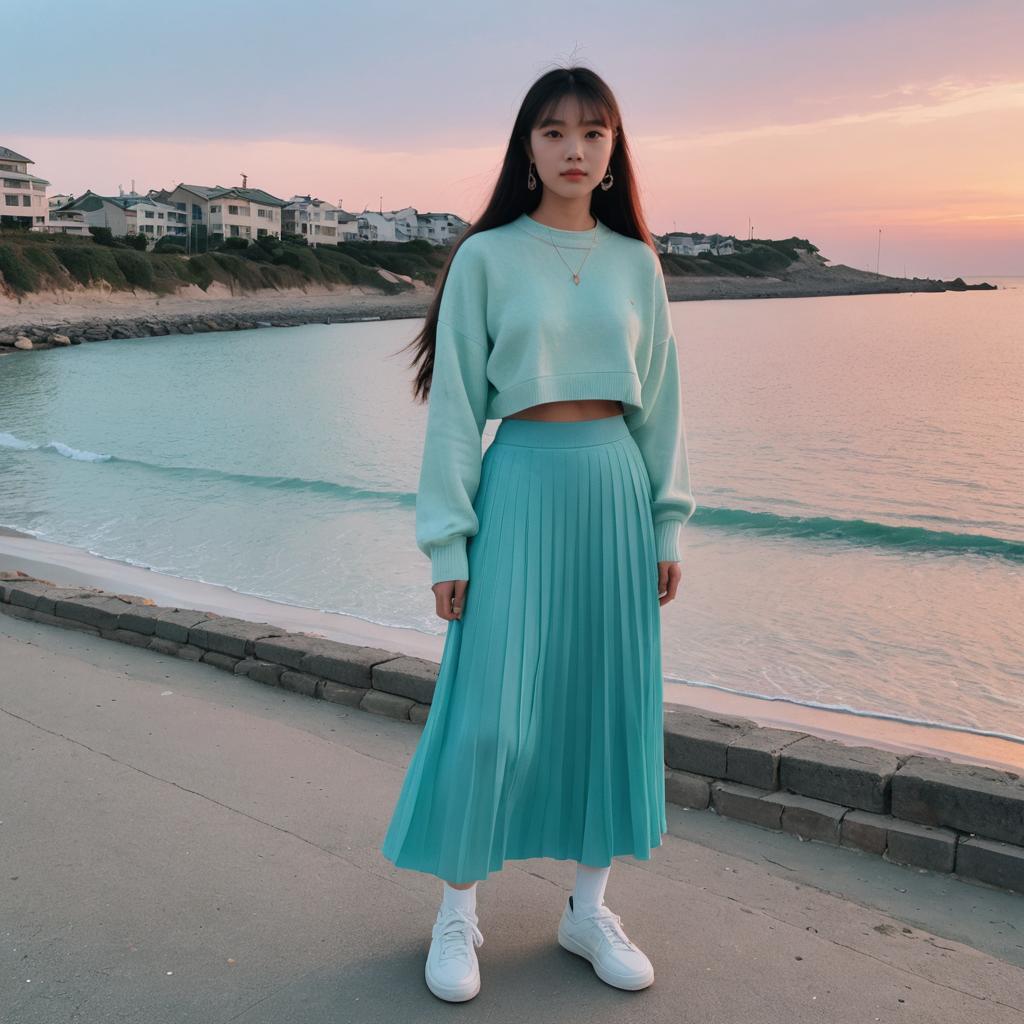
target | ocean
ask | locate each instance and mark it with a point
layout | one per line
(857, 461)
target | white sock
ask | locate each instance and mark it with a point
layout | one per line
(589, 892)
(460, 899)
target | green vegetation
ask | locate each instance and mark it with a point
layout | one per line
(33, 261)
(756, 257)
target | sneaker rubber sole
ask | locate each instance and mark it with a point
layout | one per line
(631, 984)
(449, 994)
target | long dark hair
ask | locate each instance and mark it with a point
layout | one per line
(618, 207)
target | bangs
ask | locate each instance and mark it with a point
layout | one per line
(592, 108)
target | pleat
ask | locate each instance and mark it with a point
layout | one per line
(545, 736)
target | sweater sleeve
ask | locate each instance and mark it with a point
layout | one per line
(450, 468)
(660, 432)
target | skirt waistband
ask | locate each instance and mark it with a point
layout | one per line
(561, 434)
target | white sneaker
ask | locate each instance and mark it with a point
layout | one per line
(599, 938)
(451, 970)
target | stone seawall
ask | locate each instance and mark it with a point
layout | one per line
(921, 811)
(27, 337)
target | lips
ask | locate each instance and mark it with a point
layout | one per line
(573, 174)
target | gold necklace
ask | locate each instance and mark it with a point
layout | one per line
(575, 273)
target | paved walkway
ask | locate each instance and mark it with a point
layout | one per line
(178, 845)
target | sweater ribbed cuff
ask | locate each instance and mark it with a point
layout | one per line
(449, 561)
(666, 540)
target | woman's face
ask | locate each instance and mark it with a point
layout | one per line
(566, 141)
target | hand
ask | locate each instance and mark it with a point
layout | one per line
(451, 598)
(669, 575)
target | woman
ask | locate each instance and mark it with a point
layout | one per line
(551, 553)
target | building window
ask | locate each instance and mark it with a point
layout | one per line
(197, 211)
(13, 183)
(26, 200)
(159, 216)
(233, 228)
(149, 214)
(11, 200)
(214, 209)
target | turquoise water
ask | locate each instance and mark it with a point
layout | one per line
(858, 464)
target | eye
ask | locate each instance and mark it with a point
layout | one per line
(593, 131)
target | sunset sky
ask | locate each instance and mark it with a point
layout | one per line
(826, 120)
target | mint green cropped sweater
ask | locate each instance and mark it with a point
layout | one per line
(515, 331)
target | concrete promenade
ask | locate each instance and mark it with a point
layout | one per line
(181, 845)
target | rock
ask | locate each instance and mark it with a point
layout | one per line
(23, 342)
(60, 339)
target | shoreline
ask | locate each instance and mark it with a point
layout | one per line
(53, 319)
(66, 565)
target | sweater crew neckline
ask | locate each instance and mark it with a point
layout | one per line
(561, 237)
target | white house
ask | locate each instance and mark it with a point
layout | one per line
(440, 228)
(376, 227)
(348, 224)
(24, 201)
(680, 245)
(213, 213)
(687, 245)
(68, 222)
(406, 224)
(316, 220)
(127, 214)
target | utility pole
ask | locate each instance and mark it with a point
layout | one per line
(878, 254)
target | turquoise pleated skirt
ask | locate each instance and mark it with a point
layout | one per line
(545, 734)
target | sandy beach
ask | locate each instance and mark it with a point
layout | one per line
(52, 308)
(65, 565)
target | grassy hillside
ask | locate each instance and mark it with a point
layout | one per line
(756, 257)
(32, 261)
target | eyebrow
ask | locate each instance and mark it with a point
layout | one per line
(600, 122)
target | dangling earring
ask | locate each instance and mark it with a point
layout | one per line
(531, 181)
(606, 181)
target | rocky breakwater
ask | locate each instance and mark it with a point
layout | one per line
(44, 336)
(28, 337)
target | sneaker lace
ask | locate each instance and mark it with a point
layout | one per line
(610, 924)
(454, 935)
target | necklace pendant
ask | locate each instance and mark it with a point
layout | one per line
(576, 278)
